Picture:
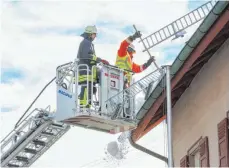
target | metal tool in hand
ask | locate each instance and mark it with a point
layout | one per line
(146, 48)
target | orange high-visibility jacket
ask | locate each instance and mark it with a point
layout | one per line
(123, 55)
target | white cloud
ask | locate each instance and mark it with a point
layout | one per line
(38, 55)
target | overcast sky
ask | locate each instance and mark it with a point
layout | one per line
(37, 36)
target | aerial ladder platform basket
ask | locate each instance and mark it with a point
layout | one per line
(112, 107)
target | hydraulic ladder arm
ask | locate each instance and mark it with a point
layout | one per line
(30, 139)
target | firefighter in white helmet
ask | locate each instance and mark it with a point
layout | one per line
(86, 55)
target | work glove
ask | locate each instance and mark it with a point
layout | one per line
(149, 62)
(105, 62)
(135, 35)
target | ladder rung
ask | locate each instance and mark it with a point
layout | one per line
(96, 103)
(29, 150)
(12, 165)
(47, 133)
(38, 142)
(57, 125)
(148, 80)
(22, 158)
(142, 84)
(176, 26)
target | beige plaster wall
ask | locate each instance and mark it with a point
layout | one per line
(202, 106)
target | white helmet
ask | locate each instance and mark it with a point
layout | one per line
(90, 29)
(131, 48)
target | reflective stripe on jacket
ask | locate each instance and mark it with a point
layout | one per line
(124, 60)
(124, 56)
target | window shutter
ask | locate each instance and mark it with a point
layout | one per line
(223, 143)
(184, 161)
(204, 152)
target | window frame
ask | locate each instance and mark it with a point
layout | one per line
(195, 148)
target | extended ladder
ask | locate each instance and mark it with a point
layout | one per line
(117, 101)
(33, 136)
(177, 26)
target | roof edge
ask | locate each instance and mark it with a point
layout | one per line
(184, 53)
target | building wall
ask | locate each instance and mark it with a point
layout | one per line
(202, 106)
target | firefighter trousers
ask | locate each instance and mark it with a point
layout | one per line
(86, 94)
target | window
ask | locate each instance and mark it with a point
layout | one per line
(194, 155)
(223, 141)
(197, 155)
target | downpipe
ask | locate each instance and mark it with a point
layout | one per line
(147, 151)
